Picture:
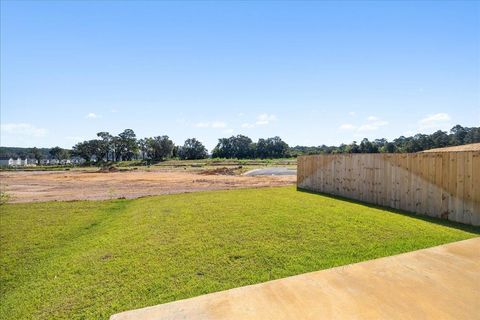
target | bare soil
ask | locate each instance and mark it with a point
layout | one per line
(220, 171)
(32, 186)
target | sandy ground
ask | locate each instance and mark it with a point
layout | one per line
(76, 185)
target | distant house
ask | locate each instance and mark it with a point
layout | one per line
(30, 162)
(19, 162)
(6, 161)
(77, 160)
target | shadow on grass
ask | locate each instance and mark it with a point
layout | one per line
(439, 221)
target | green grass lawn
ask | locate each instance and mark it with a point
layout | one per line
(90, 259)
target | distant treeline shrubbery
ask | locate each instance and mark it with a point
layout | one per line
(35, 153)
(15, 152)
(242, 147)
(458, 136)
(125, 146)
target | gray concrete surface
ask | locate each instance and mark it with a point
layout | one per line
(436, 283)
(274, 171)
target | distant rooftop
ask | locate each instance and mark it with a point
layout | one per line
(465, 147)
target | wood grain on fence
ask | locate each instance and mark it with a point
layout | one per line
(442, 184)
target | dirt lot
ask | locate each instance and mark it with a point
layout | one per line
(77, 185)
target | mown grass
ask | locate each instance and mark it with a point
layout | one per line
(90, 259)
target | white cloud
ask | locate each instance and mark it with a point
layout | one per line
(347, 126)
(213, 124)
(92, 115)
(113, 110)
(228, 131)
(23, 129)
(265, 119)
(373, 123)
(248, 125)
(438, 120)
(262, 120)
(352, 113)
(218, 124)
(436, 117)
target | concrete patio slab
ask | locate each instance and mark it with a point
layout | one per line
(436, 283)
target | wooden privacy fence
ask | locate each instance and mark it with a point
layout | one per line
(440, 184)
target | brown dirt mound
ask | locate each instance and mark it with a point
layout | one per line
(220, 171)
(108, 169)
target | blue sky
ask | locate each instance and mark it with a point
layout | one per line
(311, 72)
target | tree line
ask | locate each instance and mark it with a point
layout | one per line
(458, 136)
(242, 147)
(125, 146)
(35, 153)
